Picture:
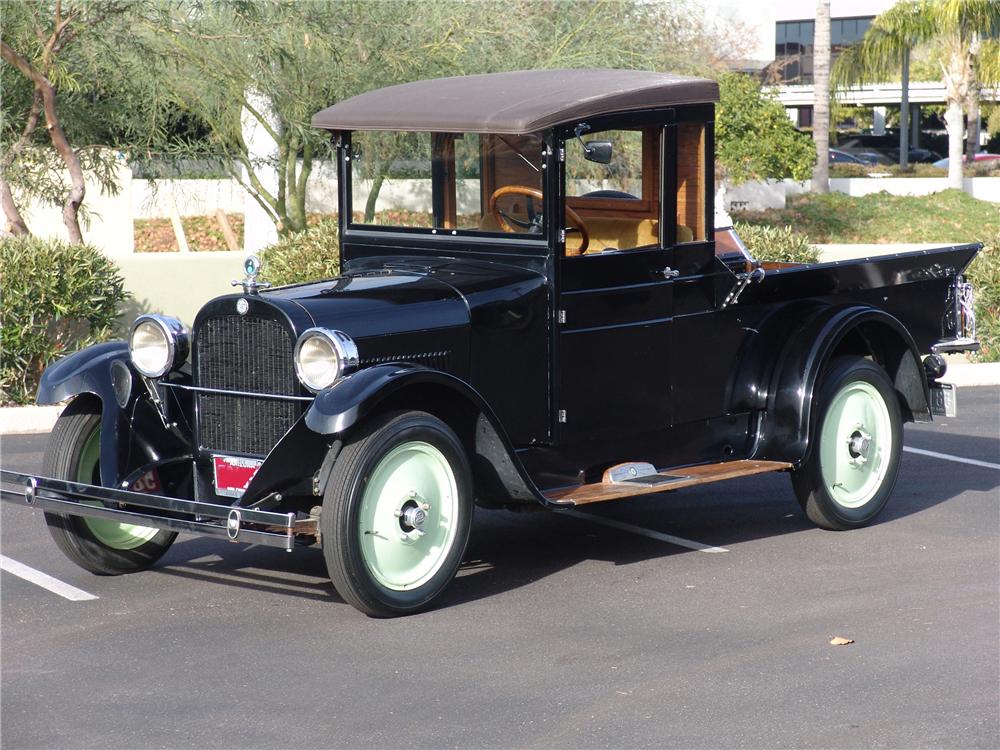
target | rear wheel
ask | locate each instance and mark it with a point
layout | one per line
(101, 546)
(396, 514)
(856, 444)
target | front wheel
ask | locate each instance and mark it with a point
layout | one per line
(101, 546)
(857, 440)
(396, 514)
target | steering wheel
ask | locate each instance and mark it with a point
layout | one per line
(508, 222)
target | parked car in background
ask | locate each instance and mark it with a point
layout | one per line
(554, 321)
(842, 157)
(981, 156)
(873, 157)
(916, 155)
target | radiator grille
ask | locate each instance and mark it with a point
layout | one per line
(250, 354)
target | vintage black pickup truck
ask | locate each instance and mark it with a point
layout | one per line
(535, 309)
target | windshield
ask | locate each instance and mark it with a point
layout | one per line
(464, 182)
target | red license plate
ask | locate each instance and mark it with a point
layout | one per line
(233, 474)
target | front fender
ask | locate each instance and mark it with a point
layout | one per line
(495, 461)
(132, 433)
(785, 434)
(85, 371)
(337, 409)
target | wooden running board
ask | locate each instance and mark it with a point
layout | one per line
(678, 478)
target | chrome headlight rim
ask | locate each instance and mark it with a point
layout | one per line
(177, 339)
(344, 349)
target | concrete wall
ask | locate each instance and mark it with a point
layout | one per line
(176, 284)
(761, 196)
(772, 194)
(106, 220)
(151, 198)
(983, 188)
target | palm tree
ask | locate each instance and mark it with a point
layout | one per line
(954, 29)
(821, 98)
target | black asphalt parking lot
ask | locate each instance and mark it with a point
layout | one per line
(559, 632)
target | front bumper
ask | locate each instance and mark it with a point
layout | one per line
(243, 525)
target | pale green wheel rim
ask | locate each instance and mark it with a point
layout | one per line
(412, 476)
(855, 444)
(123, 536)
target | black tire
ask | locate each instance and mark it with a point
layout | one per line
(845, 482)
(75, 535)
(385, 454)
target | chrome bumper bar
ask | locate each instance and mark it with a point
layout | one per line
(74, 498)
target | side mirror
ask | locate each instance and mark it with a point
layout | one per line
(597, 151)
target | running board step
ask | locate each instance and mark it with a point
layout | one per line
(675, 479)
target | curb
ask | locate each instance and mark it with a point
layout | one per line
(34, 420)
(967, 374)
(28, 420)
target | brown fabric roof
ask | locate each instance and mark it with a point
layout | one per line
(516, 102)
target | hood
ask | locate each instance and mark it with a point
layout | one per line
(371, 303)
(391, 295)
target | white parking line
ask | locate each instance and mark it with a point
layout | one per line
(44, 580)
(622, 526)
(949, 457)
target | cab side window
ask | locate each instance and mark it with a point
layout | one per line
(617, 201)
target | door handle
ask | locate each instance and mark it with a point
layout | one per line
(667, 273)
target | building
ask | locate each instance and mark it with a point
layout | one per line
(783, 32)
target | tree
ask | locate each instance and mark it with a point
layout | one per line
(76, 68)
(954, 30)
(39, 62)
(303, 57)
(755, 140)
(821, 99)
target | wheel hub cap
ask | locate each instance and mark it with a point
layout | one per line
(412, 517)
(858, 445)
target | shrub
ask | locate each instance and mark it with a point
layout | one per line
(309, 255)
(57, 298)
(850, 170)
(984, 273)
(754, 138)
(777, 244)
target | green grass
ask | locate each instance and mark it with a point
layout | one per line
(949, 216)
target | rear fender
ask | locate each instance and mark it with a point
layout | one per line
(132, 432)
(500, 476)
(832, 331)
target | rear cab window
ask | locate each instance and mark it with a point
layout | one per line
(456, 182)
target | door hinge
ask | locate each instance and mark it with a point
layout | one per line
(562, 235)
(562, 316)
(562, 416)
(562, 154)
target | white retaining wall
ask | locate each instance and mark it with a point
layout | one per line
(105, 221)
(983, 188)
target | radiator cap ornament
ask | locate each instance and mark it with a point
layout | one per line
(252, 266)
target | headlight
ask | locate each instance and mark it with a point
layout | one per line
(158, 344)
(323, 356)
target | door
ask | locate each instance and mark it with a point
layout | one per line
(614, 353)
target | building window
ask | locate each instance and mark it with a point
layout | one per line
(793, 51)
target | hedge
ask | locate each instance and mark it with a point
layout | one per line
(57, 298)
(310, 255)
